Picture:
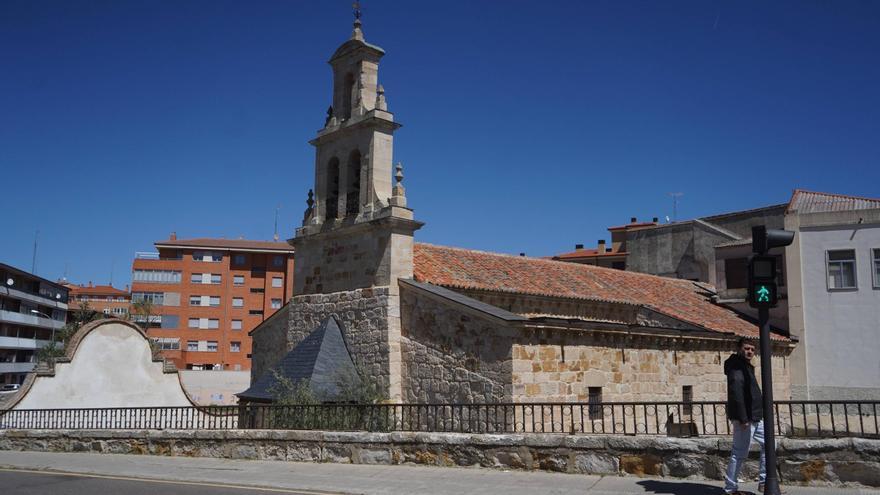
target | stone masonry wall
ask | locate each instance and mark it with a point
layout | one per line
(450, 354)
(364, 316)
(629, 370)
(269, 344)
(836, 461)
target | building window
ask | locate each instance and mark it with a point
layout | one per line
(257, 290)
(193, 323)
(236, 324)
(876, 268)
(842, 269)
(212, 346)
(237, 302)
(256, 312)
(237, 367)
(167, 344)
(736, 272)
(687, 397)
(154, 298)
(235, 347)
(213, 323)
(214, 301)
(192, 345)
(156, 276)
(209, 256)
(278, 261)
(239, 259)
(277, 282)
(238, 280)
(195, 300)
(595, 402)
(170, 321)
(215, 278)
(195, 278)
(276, 303)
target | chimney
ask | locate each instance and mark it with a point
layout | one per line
(601, 248)
(655, 219)
(522, 254)
(173, 236)
(126, 288)
(90, 283)
(633, 220)
(578, 247)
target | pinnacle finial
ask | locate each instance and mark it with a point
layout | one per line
(357, 34)
(310, 203)
(398, 193)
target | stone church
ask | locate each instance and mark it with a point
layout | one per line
(442, 324)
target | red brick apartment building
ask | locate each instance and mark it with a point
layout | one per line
(104, 299)
(207, 294)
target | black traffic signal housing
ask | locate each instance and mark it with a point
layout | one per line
(763, 290)
(764, 239)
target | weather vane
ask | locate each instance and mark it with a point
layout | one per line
(357, 10)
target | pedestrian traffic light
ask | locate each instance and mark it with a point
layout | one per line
(763, 291)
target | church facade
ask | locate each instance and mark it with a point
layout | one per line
(440, 324)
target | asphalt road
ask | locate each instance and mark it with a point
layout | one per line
(17, 482)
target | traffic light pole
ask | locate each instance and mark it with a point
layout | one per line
(771, 484)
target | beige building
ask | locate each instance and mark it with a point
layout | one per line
(441, 324)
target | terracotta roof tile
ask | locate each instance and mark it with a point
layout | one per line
(103, 290)
(680, 299)
(815, 202)
(243, 244)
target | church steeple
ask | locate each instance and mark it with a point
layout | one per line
(354, 191)
(353, 164)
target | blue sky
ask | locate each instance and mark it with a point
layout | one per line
(528, 126)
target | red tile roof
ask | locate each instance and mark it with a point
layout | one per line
(633, 226)
(238, 244)
(680, 299)
(587, 253)
(815, 202)
(97, 290)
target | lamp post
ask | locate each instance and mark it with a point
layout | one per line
(44, 315)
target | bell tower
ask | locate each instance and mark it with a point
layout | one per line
(357, 231)
(356, 238)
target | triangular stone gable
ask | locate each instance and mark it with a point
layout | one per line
(321, 358)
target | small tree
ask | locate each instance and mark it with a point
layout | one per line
(143, 311)
(56, 347)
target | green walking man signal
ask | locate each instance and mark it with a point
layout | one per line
(763, 294)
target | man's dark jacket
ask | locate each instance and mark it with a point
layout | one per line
(744, 402)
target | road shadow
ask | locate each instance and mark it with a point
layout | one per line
(680, 488)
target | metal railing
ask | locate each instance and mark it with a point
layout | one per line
(684, 419)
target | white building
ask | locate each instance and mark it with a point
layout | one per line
(833, 278)
(31, 310)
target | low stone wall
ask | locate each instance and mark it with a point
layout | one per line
(834, 461)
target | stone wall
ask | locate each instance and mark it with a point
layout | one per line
(565, 367)
(834, 461)
(364, 315)
(451, 354)
(269, 343)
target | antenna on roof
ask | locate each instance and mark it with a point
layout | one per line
(675, 196)
(275, 237)
(34, 259)
(112, 262)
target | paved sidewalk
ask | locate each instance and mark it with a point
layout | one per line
(372, 480)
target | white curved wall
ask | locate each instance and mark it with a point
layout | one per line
(112, 367)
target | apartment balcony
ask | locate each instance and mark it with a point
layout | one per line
(22, 343)
(35, 298)
(16, 367)
(32, 320)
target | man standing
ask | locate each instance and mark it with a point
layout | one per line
(745, 411)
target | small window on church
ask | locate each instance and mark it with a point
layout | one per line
(347, 96)
(687, 397)
(353, 187)
(595, 401)
(332, 201)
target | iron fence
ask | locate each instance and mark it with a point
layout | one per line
(684, 419)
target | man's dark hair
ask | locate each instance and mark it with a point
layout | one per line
(743, 341)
